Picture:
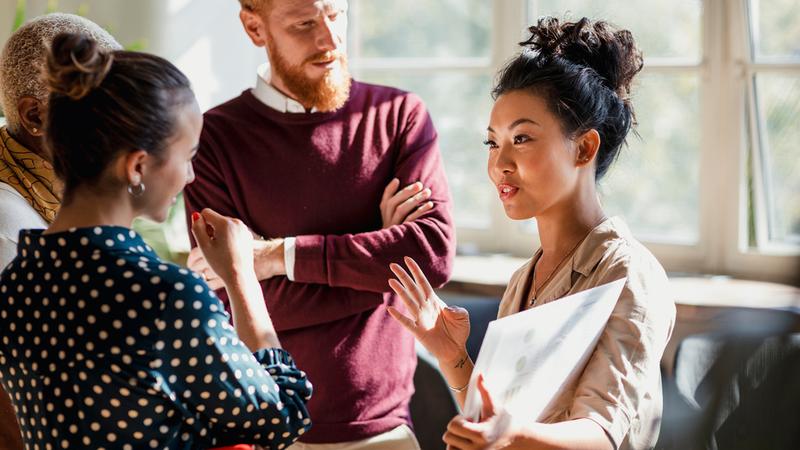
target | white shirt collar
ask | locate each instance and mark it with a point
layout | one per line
(275, 99)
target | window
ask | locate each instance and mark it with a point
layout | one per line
(773, 74)
(440, 50)
(712, 183)
(667, 104)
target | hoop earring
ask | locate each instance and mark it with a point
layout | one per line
(136, 190)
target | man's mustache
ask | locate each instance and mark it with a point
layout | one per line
(324, 57)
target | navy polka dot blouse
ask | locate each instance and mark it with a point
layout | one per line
(104, 345)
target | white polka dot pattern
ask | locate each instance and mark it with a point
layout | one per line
(106, 346)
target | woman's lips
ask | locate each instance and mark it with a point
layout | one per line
(506, 191)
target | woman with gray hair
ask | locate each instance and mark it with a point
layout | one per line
(29, 192)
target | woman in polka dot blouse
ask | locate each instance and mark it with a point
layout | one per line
(103, 344)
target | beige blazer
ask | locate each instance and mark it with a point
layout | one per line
(620, 388)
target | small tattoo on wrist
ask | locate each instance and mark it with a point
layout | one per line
(460, 363)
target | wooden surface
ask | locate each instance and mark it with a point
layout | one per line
(488, 275)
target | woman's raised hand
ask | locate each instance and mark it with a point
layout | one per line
(226, 243)
(441, 329)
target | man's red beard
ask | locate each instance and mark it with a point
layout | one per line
(326, 94)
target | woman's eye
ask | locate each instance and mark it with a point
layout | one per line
(521, 139)
(489, 143)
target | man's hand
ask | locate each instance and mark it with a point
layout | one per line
(405, 205)
(197, 262)
(268, 258)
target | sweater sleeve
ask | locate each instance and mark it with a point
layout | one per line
(209, 189)
(239, 396)
(361, 261)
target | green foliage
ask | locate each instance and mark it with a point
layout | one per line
(83, 10)
(19, 15)
(169, 239)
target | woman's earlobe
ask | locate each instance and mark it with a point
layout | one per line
(588, 147)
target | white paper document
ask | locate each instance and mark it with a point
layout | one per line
(527, 358)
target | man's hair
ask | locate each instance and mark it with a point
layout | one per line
(25, 54)
(254, 5)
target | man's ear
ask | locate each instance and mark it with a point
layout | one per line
(588, 145)
(254, 26)
(31, 115)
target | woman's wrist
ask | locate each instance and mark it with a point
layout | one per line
(457, 371)
(459, 361)
(240, 278)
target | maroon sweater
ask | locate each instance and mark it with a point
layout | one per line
(319, 177)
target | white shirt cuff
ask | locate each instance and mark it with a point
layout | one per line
(288, 257)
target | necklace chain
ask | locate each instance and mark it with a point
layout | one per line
(558, 266)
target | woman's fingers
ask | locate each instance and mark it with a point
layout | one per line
(401, 292)
(404, 320)
(487, 408)
(455, 441)
(458, 427)
(419, 277)
(408, 282)
(199, 225)
(212, 216)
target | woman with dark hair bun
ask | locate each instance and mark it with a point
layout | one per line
(104, 345)
(562, 112)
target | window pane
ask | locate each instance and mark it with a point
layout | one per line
(654, 183)
(433, 28)
(779, 105)
(775, 25)
(459, 104)
(675, 34)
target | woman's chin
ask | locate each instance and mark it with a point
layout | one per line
(517, 213)
(158, 217)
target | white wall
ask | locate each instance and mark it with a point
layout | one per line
(204, 38)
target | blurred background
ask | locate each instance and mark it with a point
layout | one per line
(710, 185)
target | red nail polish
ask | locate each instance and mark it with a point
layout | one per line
(195, 216)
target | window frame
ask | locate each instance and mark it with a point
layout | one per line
(726, 72)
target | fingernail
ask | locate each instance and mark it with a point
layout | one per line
(195, 216)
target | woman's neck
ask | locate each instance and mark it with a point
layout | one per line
(89, 207)
(566, 224)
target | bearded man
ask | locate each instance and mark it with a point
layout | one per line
(313, 160)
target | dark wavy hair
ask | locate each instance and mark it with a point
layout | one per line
(104, 103)
(584, 71)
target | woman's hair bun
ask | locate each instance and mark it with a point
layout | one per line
(76, 65)
(610, 52)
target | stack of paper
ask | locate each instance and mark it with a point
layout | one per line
(527, 358)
